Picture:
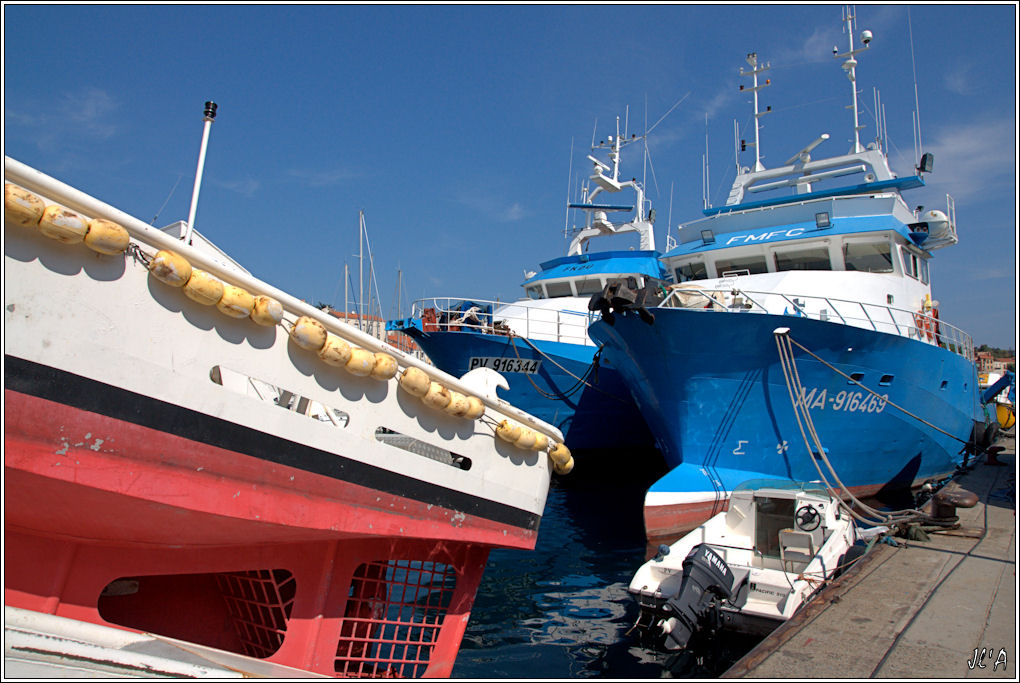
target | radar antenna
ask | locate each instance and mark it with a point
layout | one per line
(752, 59)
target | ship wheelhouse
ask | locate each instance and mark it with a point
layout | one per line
(587, 274)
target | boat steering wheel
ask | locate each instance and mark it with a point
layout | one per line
(807, 518)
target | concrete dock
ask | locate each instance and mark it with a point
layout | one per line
(942, 608)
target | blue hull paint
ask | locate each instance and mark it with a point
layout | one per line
(714, 394)
(602, 416)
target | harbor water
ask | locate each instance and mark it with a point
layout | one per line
(562, 610)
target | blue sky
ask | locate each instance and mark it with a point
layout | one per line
(452, 126)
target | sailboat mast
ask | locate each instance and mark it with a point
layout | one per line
(361, 268)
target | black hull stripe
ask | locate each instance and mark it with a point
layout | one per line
(52, 384)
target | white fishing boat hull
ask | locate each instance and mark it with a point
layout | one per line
(177, 471)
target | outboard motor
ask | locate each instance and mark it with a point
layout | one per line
(706, 582)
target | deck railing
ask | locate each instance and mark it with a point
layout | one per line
(879, 317)
(523, 318)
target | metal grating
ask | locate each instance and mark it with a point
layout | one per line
(395, 610)
(260, 602)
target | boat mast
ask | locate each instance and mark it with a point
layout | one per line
(752, 59)
(361, 268)
(850, 66)
(209, 116)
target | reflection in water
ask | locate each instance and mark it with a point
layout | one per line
(563, 609)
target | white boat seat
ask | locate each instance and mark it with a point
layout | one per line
(796, 549)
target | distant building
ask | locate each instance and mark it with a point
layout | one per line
(1000, 365)
(985, 361)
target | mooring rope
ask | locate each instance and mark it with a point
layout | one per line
(809, 433)
(581, 381)
(900, 408)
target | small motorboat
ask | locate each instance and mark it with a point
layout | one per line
(748, 569)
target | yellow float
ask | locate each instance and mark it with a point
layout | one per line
(63, 224)
(475, 408)
(335, 351)
(308, 333)
(21, 206)
(235, 302)
(203, 288)
(385, 366)
(361, 363)
(561, 459)
(526, 441)
(508, 431)
(267, 311)
(415, 382)
(437, 396)
(458, 405)
(170, 268)
(106, 237)
(1006, 415)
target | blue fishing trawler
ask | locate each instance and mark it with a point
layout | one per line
(800, 339)
(539, 343)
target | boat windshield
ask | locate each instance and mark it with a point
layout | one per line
(782, 485)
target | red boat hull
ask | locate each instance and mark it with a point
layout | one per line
(344, 571)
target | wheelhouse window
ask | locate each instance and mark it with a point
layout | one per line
(915, 266)
(557, 289)
(923, 269)
(695, 270)
(748, 265)
(868, 257)
(534, 292)
(813, 258)
(590, 286)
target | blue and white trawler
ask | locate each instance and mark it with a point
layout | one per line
(800, 337)
(540, 343)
